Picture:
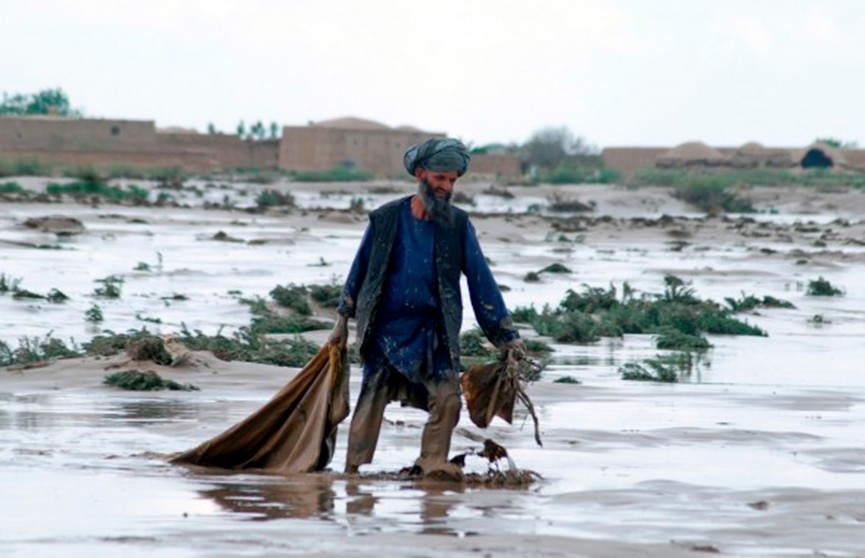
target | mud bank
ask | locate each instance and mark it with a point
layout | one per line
(757, 454)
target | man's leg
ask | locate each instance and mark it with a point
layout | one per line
(366, 421)
(444, 413)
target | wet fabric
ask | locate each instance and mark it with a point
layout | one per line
(406, 328)
(492, 389)
(294, 432)
(441, 398)
(391, 323)
(438, 154)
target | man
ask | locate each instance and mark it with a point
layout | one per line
(404, 291)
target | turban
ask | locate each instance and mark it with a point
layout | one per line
(438, 154)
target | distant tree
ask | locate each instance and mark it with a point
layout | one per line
(550, 147)
(211, 128)
(274, 130)
(256, 131)
(47, 101)
(241, 129)
(837, 143)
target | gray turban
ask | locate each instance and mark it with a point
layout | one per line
(438, 154)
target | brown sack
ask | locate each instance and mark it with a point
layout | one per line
(294, 432)
(488, 393)
(491, 390)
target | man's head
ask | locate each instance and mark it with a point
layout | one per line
(436, 164)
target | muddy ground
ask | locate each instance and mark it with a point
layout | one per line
(758, 453)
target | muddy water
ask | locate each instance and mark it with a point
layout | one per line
(758, 453)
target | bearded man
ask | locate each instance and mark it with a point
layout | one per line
(404, 292)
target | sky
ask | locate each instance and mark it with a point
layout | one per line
(614, 72)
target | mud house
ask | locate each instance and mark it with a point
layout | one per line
(370, 146)
(137, 143)
(351, 142)
(697, 155)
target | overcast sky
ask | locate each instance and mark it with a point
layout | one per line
(616, 72)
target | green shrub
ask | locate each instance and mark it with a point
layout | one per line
(662, 368)
(94, 314)
(555, 268)
(293, 297)
(269, 322)
(110, 288)
(274, 198)
(335, 174)
(9, 283)
(473, 343)
(56, 296)
(327, 296)
(10, 188)
(566, 380)
(524, 314)
(31, 350)
(751, 302)
(248, 346)
(143, 380)
(676, 340)
(95, 188)
(582, 317)
(822, 287)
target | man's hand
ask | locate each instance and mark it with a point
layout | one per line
(516, 347)
(339, 335)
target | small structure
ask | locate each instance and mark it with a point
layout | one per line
(692, 154)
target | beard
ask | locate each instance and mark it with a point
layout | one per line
(440, 209)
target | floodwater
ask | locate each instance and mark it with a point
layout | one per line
(759, 453)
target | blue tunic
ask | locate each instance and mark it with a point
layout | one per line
(407, 332)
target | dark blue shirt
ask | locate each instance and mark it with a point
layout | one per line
(407, 332)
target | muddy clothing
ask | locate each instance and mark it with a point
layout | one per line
(404, 291)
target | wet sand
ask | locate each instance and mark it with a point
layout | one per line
(759, 453)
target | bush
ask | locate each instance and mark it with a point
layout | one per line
(31, 350)
(293, 297)
(111, 287)
(822, 287)
(274, 198)
(143, 380)
(473, 343)
(335, 174)
(662, 368)
(10, 188)
(327, 296)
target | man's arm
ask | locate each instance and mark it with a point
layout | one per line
(350, 290)
(489, 306)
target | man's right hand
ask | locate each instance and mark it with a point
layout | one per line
(339, 335)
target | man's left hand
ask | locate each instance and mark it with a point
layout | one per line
(516, 347)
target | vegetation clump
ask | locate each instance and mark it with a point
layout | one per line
(474, 344)
(328, 296)
(274, 198)
(144, 380)
(33, 350)
(662, 368)
(294, 297)
(110, 288)
(336, 174)
(94, 314)
(751, 302)
(98, 189)
(583, 317)
(822, 287)
(248, 346)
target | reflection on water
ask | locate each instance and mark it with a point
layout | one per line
(310, 496)
(156, 411)
(367, 505)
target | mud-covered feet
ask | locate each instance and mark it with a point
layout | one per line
(442, 470)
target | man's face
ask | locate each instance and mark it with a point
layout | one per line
(435, 189)
(440, 182)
